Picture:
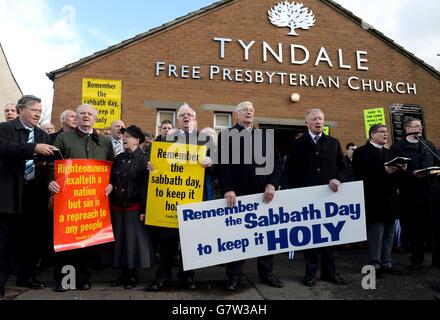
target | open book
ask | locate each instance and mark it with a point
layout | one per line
(398, 162)
(427, 171)
(56, 156)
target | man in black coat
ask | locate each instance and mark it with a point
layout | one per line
(316, 159)
(381, 197)
(419, 194)
(246, 177)
(23, 185)
(168, 238)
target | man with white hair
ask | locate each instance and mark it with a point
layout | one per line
(168, 238)
(242, 179)
(68, 120)
(81, 143)
(10, 111)
(48, 127)
(317, 159)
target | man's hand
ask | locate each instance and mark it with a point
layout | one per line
(230, 198)
(334, 185)
(269, 193)
(142, 217)
(54, 187)
(108, 190)
(206, 163)
(44, 149)
(150, 167)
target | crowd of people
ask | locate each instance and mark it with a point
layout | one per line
(395, 191)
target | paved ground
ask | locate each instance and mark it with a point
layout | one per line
(210, 283)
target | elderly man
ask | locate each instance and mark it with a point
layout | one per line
(118, 145)
(22, 185)
(49, 128)
(81, 143)
(420, 194)
(242, 179)
(316, 159)
(68, 120)
(381, 197)
(169, 238)
(10, 111)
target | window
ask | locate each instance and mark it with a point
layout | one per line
(222, 121)
(163, 115)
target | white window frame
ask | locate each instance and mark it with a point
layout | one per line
(220, 128)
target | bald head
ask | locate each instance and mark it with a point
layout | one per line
(115, 128)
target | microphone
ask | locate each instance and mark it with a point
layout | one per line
(415, 134)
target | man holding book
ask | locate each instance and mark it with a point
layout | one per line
(371, 163)
(419, 193)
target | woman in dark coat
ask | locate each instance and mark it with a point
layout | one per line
(129, 177)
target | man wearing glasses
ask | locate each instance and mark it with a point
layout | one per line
(419, 194)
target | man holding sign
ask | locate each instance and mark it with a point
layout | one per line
(242, 178)
(81, 143)
(317, 159)
(168, 236)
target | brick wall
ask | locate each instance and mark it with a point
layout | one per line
(191, 43)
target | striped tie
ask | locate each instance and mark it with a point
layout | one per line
(29, 171)
(117, 147)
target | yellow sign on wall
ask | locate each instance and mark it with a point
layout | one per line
(105, 96)
(178, 179)
(372, 117)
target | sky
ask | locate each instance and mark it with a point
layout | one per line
(39, 36)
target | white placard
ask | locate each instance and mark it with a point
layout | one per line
(297, 219)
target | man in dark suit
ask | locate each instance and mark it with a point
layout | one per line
(23, 182)
(242, 178)
(381, 197)
(419, 194)
(168, 238)
(316, 159)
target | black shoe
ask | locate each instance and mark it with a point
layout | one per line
(117, 283)
(59, 288)
(2, 292)
(272, 281)
(86, 285)
(393, 271)
(309, 282)
(32, 283)
(336, 279)
(189, 284)
(157, 285)
(131, 283)
(416, 266)
(233, 283)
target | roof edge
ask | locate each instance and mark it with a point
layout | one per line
(10, 70)
(205, 10)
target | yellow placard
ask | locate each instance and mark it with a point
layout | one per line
(105, 96)
(178, 179)
(326, 130)
(372, 117)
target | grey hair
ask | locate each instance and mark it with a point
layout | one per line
(10, 104)
(78, 110)
(186, 106)
(314, 110)
(242, 105)
(63, 116)
(26, 101)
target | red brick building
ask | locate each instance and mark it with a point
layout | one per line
(233, 51)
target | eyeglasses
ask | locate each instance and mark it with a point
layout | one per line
(416, 126)
(183, 115)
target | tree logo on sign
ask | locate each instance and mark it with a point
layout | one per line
(293, 15)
